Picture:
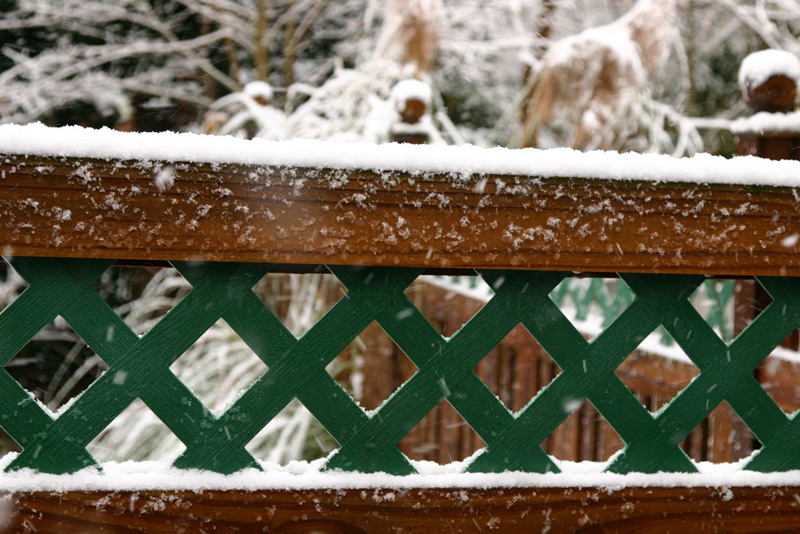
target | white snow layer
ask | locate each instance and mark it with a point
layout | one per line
(460, 161)
(758, 67)
(768, 122)
(258, 89)
(411, 90)
(142, 476)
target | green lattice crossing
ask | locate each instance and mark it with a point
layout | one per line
(139, 368)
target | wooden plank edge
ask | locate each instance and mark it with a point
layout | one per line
(97, 209)
(460, 510)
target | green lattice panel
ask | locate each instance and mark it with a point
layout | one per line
(445, 369)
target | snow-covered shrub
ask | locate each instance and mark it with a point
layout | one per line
(357, 105)
(247, 113)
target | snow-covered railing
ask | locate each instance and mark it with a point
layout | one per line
(225, 212)
(452, 207)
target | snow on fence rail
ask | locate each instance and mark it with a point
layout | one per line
(428, 206)
(68, 212)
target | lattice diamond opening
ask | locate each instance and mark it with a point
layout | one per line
(11, 284)
(136, 434)
(218, 367)
(120, 285)
(7, 443)
(299, 300)
(449, 302)
(714, 300)
(441, 436)
(372, 367)
(517, 369)
(583, 436)
(750, 299)
(293, 434)
(779, 375)
(722, 437)
(592, 303)
(154, 293)
(56, 365)
(656, 373)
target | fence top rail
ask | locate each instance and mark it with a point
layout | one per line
(73, 192)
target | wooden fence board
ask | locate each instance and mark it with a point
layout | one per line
(114, 209)
(98, 209)
(510, 510)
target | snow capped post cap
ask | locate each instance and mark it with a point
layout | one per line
(778, 69)
(406, 90)
(259, 91)
(758, 67)
(411, 100)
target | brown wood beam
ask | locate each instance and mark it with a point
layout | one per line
(511, 510)
(114, 209)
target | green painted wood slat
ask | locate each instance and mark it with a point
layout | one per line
(139, 368)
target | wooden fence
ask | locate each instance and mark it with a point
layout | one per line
(519, 367)
(66, 220)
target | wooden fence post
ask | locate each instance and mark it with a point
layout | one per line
(776, 94)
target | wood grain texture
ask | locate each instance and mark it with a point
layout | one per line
(114, 209)
(519, 510)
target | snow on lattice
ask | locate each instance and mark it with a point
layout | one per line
(758, 67)
(458, 161)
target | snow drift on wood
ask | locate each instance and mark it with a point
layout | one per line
(758, 67)
(133, 476)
